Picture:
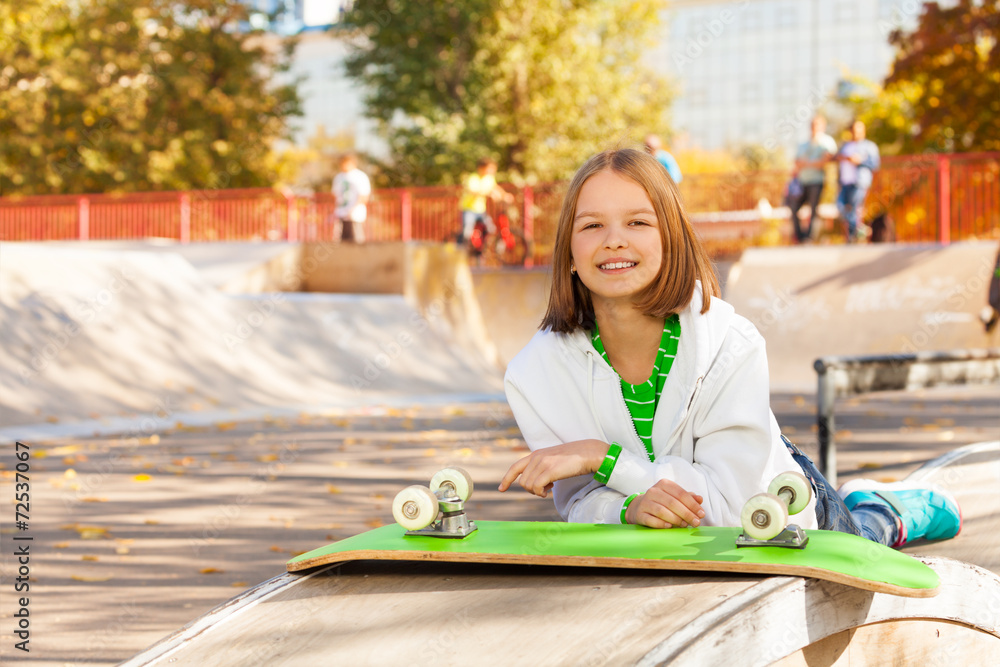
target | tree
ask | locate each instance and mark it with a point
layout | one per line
(132, 95)
(539, 86)
(943, 93)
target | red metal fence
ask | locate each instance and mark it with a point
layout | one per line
(939, 198)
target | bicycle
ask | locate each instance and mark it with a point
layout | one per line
(501, 244)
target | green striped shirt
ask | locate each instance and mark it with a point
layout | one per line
(641, 399)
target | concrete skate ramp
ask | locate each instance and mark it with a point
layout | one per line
(101, 334)
(814, 301)
(512, 302)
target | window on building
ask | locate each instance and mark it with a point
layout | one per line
(786, 15)
(845, 11)
(750, 92)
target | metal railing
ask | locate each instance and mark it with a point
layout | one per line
(930, 198)
(840, 377)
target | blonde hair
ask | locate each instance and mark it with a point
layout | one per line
(684, 259)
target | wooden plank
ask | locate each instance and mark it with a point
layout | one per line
(908, 642)
(377, 613)
(764, 630)
(384, 613)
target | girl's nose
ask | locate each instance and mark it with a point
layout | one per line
(615, 237)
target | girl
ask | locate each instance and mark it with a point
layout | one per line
(644, 397)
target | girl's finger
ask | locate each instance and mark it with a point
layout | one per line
(513, 472)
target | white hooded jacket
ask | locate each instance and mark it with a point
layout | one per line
(713, 430)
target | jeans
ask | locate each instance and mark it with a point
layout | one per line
(877, 523)
(850, 203)
(811, 193)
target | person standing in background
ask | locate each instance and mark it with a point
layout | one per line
(655, 148)
(810, 160)
(352, 189)
(857, 161)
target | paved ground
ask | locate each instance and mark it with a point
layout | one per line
(133, 539)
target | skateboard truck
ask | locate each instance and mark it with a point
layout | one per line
(416, 507)
(454, 522)
(765, 516)
(792, 537)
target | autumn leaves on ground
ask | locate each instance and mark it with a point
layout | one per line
(134, 537)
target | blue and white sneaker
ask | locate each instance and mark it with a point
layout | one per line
(925, 511)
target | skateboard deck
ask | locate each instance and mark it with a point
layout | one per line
(828, 555)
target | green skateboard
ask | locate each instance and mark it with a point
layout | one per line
(820, 554)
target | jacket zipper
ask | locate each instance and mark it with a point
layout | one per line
(635, 431)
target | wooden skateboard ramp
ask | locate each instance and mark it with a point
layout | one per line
(372, 613)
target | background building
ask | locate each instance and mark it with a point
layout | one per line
(755, 71)
(746, 71)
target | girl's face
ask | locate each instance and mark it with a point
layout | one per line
(615, 244)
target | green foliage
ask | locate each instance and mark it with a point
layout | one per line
(944, 91)
(538, 86)
(133, 95)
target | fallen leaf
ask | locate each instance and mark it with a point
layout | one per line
(89, 558)
(225, 426)
(374, 523)
(330, 488)
(61, 545)
(93, 499)
(211, 570)
(77, 577)
(92, 533)
(52, 419)
(239, 584)
(141, 477)
(430, 451)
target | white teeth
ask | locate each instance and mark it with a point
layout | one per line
(617, 265)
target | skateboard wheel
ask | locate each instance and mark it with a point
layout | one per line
(454, 479)
(764, 516)
(415, 507)
(793, 487)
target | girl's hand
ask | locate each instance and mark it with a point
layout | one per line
(543, 467)
(666, 505)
